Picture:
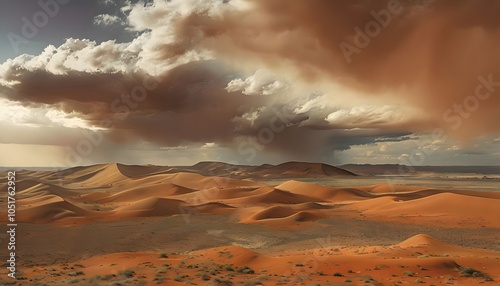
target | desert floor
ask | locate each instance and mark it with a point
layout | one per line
(142, 225)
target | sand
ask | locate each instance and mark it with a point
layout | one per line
(88, 197)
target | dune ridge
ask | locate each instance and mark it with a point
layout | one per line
(114, 191)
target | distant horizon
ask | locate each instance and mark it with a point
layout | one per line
(256, 165)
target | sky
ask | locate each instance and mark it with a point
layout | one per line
(249, 82)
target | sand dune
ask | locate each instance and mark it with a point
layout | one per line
(110, 193)
(121, 191)
(420, 192)
(310, 169)
(97, 175)
(41, 189)
(139, 195)
(324, 193)
(161, 190)
(152, 206)
(213, 208)
(383, 265)
(141, 171)
(50, 210)
(280, 216)
(273, 196)
(285, 170)
(436, 208)
(272, 212)
(422, 239)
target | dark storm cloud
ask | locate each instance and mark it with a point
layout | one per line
(187, 104)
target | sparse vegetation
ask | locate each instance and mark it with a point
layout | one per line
(180, 278)
(229, 268)
(222, 282)
(252, 283)
(247, 270)
(338, 274)
(205, 277)
(161, 270)
(127, 273)
(471, 272)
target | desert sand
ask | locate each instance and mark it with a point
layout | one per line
(216, 224)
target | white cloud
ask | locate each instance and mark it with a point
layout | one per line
(108, 2)
(107, 20)
(69, 120)
(209, 145)
(260, 83)
(317, 102)
(366, 115)
(14, 113)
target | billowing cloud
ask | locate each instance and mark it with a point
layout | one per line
(301, 77)
(258, 84)
(106, 20)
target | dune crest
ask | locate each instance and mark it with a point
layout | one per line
(422, 239)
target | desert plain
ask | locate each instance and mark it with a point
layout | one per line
(219, 224)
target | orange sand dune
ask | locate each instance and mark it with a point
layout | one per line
(386, 188)
(281, 216)
(50, 210)
(152, 206)
(281, 212)
(98, 175)
(213, 208)
(121, 191)
(311, 169)
(322, 192)
(285, 170)
(140, 171)
(41, 189)
(273, 196)
(308, 206)
(160, 190)
(449, 207)
(272, 212)
(402, 263)
(424, 240)
(420, 192)
(38, 200)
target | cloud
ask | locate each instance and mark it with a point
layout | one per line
(108, 2)
(106, 20)
(260, 83)
(365, 116)
(414, 60)
(228, 71)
